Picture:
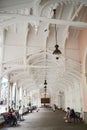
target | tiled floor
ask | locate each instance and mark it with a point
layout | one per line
(46, 119)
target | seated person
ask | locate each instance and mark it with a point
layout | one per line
(67, 117)
(69, 114)
(11, 117)
(72, 113)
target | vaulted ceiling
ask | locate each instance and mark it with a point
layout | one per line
(27, 33)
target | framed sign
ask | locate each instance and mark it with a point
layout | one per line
(45, 100)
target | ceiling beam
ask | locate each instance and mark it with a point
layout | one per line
(30, 66)
(33, 19)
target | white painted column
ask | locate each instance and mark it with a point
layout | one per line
(61, 100)
(20, 93)
(11, 85)
(81, 100)
(8, 98)
(22, 96)
(17, 96)
(14, 95)
(66, 98)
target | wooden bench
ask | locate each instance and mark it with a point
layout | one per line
(5, 120)
(77, 117)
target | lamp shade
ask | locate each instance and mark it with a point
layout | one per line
(57, 52)
(45, 82)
